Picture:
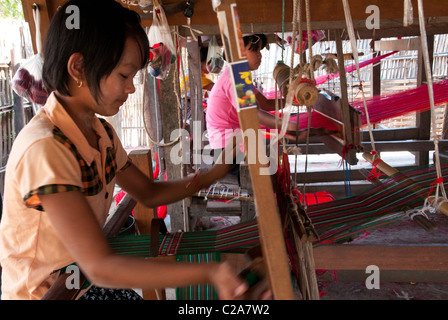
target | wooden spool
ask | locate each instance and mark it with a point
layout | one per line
(281, 76)
(305, 93)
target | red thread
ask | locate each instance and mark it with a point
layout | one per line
(375, 173)
(344, 152)
(306, 80)
(433, 184)
(375, 163)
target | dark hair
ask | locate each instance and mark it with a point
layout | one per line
(203, 52)
(255, 40)
(104, 26)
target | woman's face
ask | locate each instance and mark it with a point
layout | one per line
(116, 87)
(253, 57)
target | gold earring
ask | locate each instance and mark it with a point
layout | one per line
(79, 83)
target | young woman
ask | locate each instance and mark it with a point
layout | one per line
(65, 163)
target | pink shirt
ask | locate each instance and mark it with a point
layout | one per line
(222, 116)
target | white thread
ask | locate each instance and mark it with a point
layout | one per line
(351, 33)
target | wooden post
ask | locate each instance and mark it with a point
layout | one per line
(197, 124)
(144, 215)
(169, 107)
(423, 119)
(270, 228)
(45, 17)
(351, 153)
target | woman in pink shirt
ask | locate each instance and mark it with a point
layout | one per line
(222, 116)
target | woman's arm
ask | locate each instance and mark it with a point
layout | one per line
(155, 193)
(268, 104)
(81, 234)
(268, 120)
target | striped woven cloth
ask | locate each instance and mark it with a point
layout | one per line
(332, 220)
(198, 292)
(233, 239)
(377, 205)
(337, 219)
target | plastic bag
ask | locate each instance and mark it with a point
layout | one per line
(215, 61)
(162, 51)
(27, 81)
(316, 36)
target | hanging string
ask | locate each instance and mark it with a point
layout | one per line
(348, 187)
(310, 39)
(311, 77)
(423, 36)
(299, 19)
(286, 114)
(300, 35)
(283, 29)
(351, 34)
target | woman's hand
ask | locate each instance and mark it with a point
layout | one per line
(229, 285)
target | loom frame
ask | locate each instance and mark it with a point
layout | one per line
(259, 18)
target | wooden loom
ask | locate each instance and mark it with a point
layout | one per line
(325, 256)
(270, 227)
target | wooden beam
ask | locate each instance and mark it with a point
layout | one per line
(264, 16)
(423, 119)
(323, 11)
(336, 175)
(270, 228)
(350, 155)
(398, 45)
(196, 93)
(170, 118)
(143, 215)
(431, 257)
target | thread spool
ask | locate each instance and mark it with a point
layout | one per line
(281, 77)
(305, 93)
